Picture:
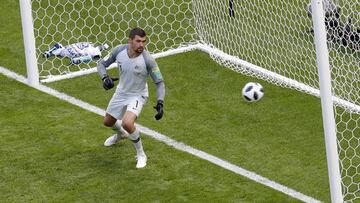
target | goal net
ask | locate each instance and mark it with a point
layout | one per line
(344, 51)
(270, 40)
(169, 25)
(274, 41)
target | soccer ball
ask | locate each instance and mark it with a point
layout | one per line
(252, 92)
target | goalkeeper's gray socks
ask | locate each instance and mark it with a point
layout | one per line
(140, 154)
(135, 138)
(120, 131)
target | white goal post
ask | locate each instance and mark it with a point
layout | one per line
(326, 100)
(29, 42)
(287, 43)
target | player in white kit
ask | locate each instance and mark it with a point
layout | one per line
(135, 65)
(80, 52)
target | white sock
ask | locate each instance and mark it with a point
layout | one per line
(118, 128)
(58, 52)
(135, 138)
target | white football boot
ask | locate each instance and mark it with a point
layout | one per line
(115, 138)
(141, 161)
(49, 53)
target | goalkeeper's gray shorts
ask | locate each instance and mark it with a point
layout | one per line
(119, 104)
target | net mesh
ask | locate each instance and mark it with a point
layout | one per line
(278, 36)
(168, 24)
(344, 51)
(265, 39)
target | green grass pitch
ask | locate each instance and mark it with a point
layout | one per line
(52, 151)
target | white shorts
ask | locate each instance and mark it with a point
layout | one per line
(119, 104)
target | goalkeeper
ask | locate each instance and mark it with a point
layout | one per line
(135, 64)
(81, 52)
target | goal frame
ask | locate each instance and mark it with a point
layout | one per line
(325, 93)
(29, 42)
(323, 65)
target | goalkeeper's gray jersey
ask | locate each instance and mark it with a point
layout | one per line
(133, 71)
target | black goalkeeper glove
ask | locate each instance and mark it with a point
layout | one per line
(108, 82)
(159, 108)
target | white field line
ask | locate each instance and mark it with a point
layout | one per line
(177, 145)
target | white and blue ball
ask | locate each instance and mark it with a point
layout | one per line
(252, 92)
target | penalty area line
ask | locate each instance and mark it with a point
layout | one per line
(173, 143)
